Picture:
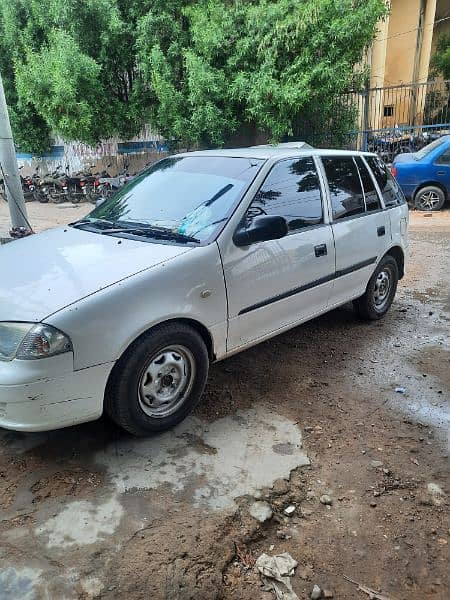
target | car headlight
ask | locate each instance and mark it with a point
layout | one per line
(29, 341)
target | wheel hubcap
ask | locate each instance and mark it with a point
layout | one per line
(166, 381)
(382, 289)
(428, 200)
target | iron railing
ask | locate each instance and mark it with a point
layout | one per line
(386, 120)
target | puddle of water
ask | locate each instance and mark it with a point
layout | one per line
(81, 523)
(238, 455)
(208, 465)
(424, 412)
(18, 583)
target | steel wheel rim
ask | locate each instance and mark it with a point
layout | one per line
(166, 381)
(428, 200)
(382, 288)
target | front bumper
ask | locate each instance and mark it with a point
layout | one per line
(52, 401)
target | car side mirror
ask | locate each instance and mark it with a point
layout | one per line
(261, 229)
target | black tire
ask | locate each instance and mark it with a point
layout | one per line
(367, 306)
(123, 399)
(429, 198)
(40, 196)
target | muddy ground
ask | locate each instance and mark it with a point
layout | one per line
(90, 512)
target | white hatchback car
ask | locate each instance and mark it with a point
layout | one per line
(201, 256)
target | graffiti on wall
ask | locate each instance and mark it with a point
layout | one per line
(114, 155)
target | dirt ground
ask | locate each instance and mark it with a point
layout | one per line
(90, 512)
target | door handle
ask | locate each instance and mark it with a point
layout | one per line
(320, 250)
(381, 230)
(441, 173)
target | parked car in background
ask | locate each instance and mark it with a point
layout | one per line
(199, 257)
(424, 176)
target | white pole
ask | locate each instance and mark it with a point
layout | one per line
(9, 170)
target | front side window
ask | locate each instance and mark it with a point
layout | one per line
(291, 190)
(178, 198)
(444, 158)
(347, 198)
(390, 190)
(370, 192)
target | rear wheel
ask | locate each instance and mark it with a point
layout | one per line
(159, 380)
(380, 291)
(429, 198)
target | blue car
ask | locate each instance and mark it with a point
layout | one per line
(424, 176)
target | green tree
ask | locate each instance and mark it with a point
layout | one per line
(70, 67)
(440, 61)
(197, 70)
(437, 101)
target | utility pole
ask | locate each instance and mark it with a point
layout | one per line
(9, 170)
(365, 133)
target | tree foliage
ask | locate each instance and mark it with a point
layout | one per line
(197, 70)
(440, 61)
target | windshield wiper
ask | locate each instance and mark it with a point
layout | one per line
(162, 233)
(92, 222)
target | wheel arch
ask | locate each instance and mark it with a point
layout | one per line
(399, 256)
(201, 329)
(423, 184)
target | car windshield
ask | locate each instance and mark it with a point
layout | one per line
(180, 198)
(427, 149)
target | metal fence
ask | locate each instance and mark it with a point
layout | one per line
(386, 120)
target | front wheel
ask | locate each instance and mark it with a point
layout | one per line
(380, 291)
(159, 380)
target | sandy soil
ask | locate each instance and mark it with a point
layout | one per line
(44, 216)
(167, 524)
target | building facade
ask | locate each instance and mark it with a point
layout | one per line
(400, 56)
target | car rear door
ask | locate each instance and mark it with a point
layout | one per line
(275, 284)
(361, 228)
(393, 200)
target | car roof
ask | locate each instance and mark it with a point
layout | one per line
(276, 151)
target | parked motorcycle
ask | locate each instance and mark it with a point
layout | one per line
(396, 141)
(81, 185)
(54, 186)
(108, 186)
(30, 185)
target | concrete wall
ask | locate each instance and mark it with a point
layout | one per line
(113, 155)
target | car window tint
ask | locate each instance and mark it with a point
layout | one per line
(291, 190)
(346, 194)
(444, 158)
(370, 192)
(390, 190)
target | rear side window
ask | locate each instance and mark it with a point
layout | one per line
(347, 198)
(390, 190)
(291, 190)
(370, 192)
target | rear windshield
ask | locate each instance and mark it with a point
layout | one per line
(427, 149)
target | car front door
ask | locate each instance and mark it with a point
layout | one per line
(275, 284)
(441, 168)
(361, 228)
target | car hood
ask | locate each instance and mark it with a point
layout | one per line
(404, 157)
(44, 273)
